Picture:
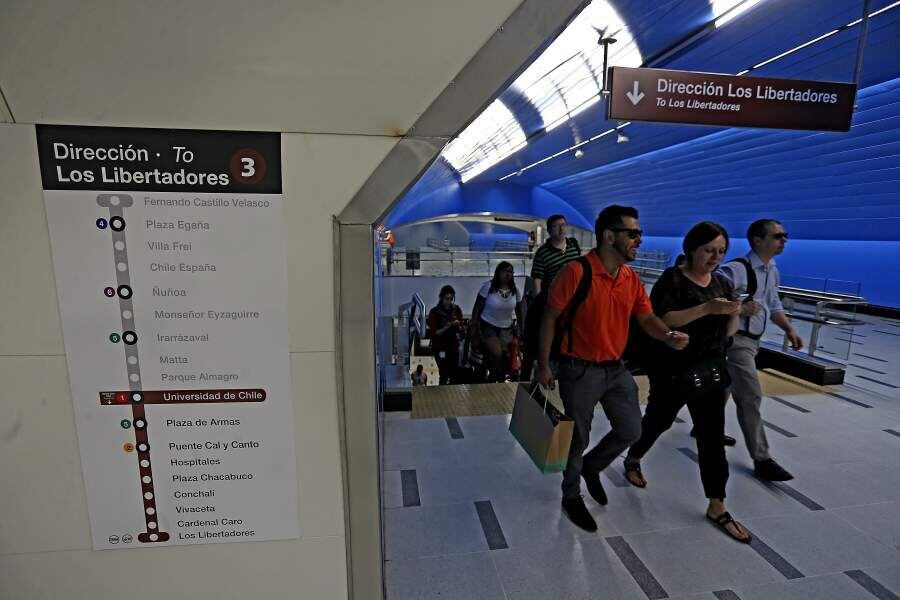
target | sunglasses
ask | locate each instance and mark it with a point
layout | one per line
(631, 233)
(780, 236)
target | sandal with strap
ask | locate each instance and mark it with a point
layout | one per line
(722, 522)
(634, 467)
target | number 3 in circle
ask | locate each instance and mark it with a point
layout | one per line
(247, 166)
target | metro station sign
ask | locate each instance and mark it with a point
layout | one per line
(729, 100)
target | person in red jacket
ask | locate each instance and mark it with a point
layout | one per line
(445, 326)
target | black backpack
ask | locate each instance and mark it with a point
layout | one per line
(565, 320)
(751, 291)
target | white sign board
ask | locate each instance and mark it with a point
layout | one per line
(168, 249)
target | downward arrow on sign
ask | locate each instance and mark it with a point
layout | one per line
(635, 95)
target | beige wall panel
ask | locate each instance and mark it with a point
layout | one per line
(313, 569)
(321, 175)
(42, 495)
(30, 321)
(318, 444)
(314, 66)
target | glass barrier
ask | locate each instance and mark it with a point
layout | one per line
(823, 311)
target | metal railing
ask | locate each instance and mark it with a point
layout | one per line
(441, 263)
(434, 262)
(794, 300)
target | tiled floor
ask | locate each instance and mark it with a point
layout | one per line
(833, 532)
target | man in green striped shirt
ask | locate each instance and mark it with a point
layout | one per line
(553, 254)
(548, 260)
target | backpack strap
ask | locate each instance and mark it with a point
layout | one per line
(751, 275)
(751, 291)
(564, 324)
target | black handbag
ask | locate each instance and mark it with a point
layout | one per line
(707, 375)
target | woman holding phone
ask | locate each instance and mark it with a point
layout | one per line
(692, 298)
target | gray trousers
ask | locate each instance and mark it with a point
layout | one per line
(581, 387)
(747, 394)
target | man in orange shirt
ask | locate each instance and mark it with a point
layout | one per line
(589, 364)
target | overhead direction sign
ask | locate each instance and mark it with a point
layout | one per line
(712, 99)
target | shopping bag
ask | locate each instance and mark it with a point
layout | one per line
(541, 428)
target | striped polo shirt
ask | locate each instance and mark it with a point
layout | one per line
(548, 260)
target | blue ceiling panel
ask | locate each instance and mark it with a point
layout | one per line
(656, 27)
(813, 180)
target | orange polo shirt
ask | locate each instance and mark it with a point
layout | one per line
(600, 328)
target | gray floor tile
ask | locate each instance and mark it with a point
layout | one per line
(427, 531)
(565, 571)
(396, 415)
(453, 484)
(497, 450)
(420, 454)
(820, 542)
(463, 577)
(836, 586)
(392, 489)
(529, 523)
(888, 576)
(485, 427)
(412, 430)
(881, 521)
(845, 484)
(700, 558)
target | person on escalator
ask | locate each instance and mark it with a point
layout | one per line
(445, 327)
(497, 305)
(548, 260)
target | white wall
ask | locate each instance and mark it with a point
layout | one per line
(45, 547)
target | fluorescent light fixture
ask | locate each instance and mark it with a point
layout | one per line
(490, 138)
(743, 72)
(820, 38)
(563, 81)
(728, 10)
(567, 77)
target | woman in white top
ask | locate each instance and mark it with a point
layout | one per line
(497, 303)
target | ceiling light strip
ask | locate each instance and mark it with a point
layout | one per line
(743, 72)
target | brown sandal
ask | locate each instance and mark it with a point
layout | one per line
(635, 468)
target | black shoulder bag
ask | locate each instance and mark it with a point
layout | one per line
(708, 374)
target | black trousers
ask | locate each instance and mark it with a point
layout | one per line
(448, 365)
(532, 334)
(708, 413)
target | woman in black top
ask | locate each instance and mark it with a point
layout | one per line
(445, 327)
(693, 299)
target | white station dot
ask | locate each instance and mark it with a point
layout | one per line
(132, 360)
(151, 510)
(114, 200)
(126, 314)
(120, 245)
(139, 423)
(145, 463)
(133, 377)
(151, 525)
(122, 266)
(153, 537)
(148, 496)
(138, 397)
(142, 447)
(146, 479)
